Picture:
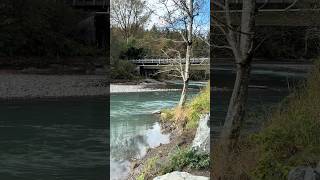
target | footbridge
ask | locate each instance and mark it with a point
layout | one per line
(149, 67)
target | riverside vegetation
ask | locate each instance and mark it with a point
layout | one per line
(290, 138)
(180, 158)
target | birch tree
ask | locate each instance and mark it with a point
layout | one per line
(180, 16)
(241, 41)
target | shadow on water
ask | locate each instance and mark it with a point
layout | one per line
(267, 88)
(53, 139)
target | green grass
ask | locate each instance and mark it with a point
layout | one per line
(197, 106)
(292, 136)
(190, 114)
(182, 158)
(148, 168)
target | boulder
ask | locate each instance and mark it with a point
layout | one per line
(201, 142)
(304, 173)
(176, 175)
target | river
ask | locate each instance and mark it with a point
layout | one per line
(53, 139)
(134, 127)
(66, 138)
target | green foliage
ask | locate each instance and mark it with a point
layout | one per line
(41, 28)
(167, 114)
(292, 137)
(123, 69)
(182, 158)
(197, 106)
(148, 167)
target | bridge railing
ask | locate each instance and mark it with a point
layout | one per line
(87, 2)
(170, 61)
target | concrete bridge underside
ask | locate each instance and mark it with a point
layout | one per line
(273, 12)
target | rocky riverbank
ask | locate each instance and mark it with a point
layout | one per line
(49, 86)
(178, 140)
(24, 86)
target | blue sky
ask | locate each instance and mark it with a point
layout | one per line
(203, 18)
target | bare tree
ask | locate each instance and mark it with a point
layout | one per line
(180, 16)
(129, 16)
(241, 40)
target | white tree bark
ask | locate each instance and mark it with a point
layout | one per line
(242, 47)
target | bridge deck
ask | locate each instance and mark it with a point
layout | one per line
(144, 62)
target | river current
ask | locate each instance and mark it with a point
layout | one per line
(66, 138)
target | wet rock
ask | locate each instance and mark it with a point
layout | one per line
(176, 175)
(201, 141)
(156, 112)
(304, 173)
(134, 165)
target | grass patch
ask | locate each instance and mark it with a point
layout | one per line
(148, 168)
(183, 158)
(292, 137)
(189, 115)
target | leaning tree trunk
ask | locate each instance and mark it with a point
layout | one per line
(243, 52)
(237, 106)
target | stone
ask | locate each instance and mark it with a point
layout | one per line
(201, 142)
(304, 173)
(176, 175)
(156, 112)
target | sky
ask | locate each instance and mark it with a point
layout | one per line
(203, 18)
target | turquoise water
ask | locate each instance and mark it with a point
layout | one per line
(134, 127)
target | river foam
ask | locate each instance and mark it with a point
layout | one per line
(120, 88)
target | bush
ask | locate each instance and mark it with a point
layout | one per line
(37, 28)
(190, 114)
(148, 168)
(123, 69)
(289, 139)
(186, 158)
(292, 136)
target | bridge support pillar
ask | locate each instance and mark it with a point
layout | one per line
(101, 25)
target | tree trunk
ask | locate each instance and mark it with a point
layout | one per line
(183, 96)
(243, 53)
(237, 106)
(186, 74)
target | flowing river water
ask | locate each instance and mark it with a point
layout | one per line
(66, 138)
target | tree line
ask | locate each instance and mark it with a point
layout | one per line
(42, 28)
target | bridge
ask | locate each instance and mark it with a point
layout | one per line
(193, 61)
(274, 12)
(148, 67)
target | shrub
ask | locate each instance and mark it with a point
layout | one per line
(182, 158)
(292, 136)
(148, 168)
(190, 114)
(123, 69)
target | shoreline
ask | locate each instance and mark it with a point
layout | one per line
(39, 86)
(177, 139)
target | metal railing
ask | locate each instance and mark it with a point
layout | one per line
(88, 2)
(170, 61)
